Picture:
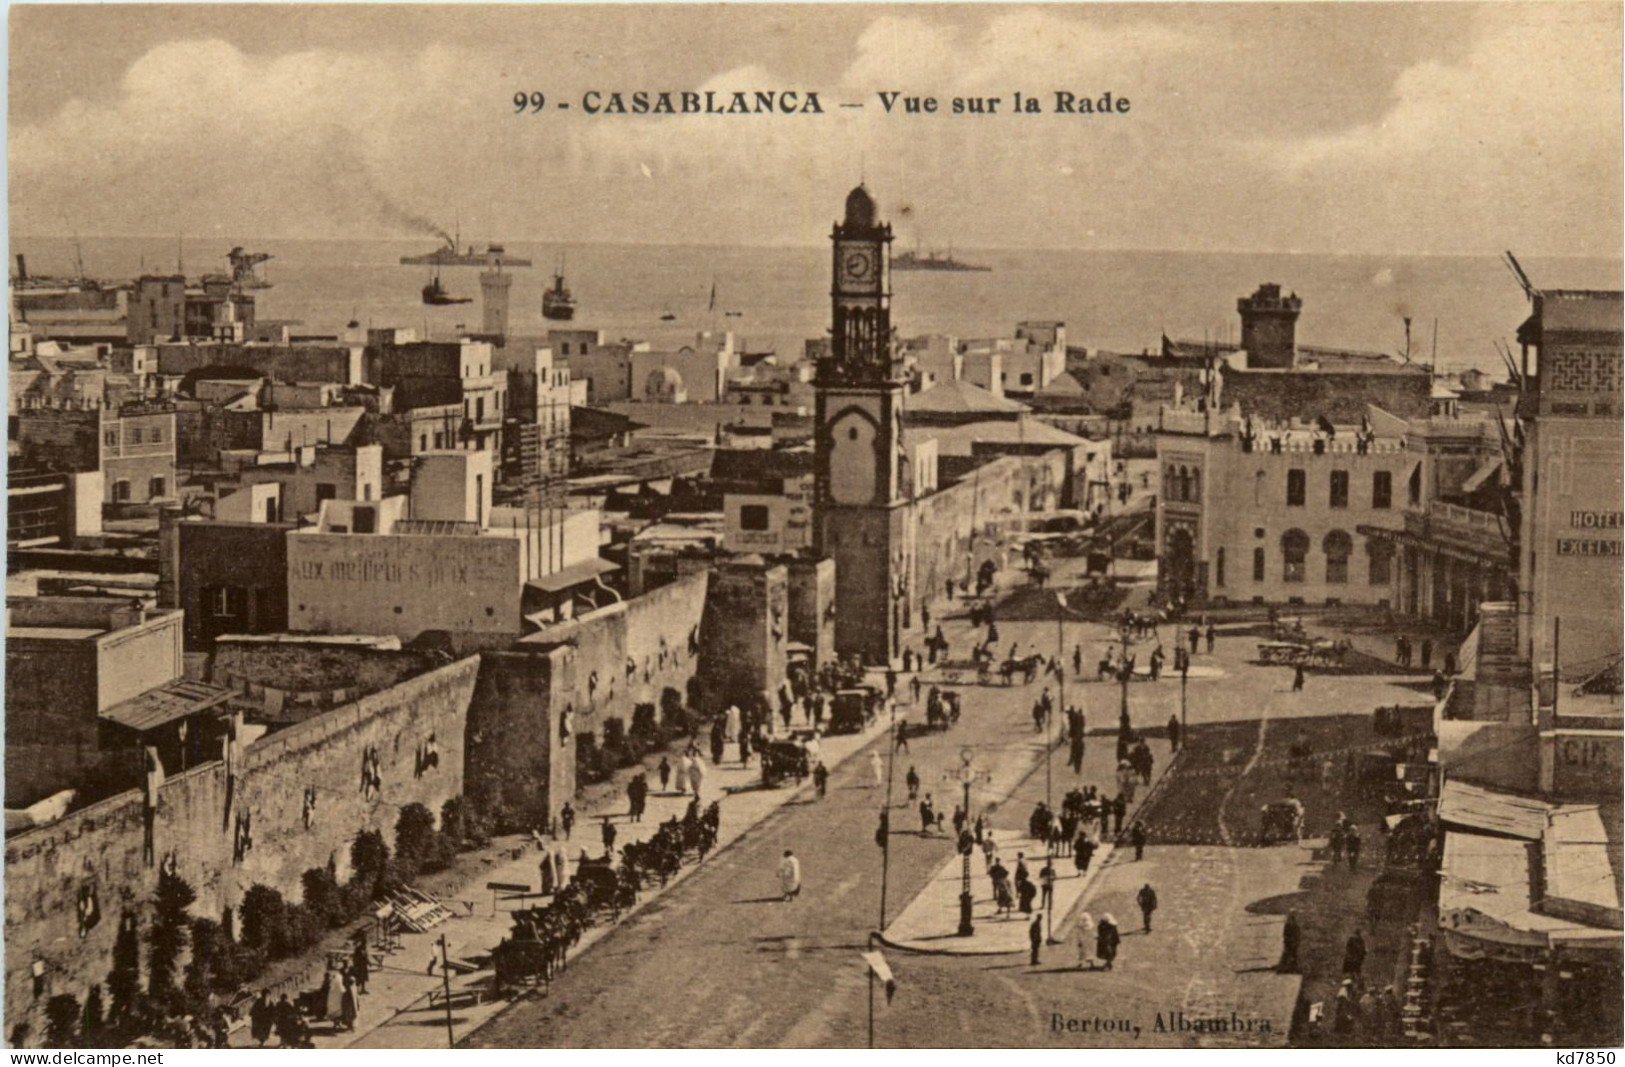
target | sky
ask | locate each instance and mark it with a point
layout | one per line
(1301, 127)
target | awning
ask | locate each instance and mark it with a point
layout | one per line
(573, 575)
(1461, 804)
(166, 704)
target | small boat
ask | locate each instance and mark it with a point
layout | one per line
(435, 294)
(668, 317)
(733, 314)
(557, 303)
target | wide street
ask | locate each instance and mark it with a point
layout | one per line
(720, 961)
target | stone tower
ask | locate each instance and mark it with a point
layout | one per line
(1269, 327)
(860, 498)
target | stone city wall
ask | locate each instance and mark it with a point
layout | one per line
(101, 852)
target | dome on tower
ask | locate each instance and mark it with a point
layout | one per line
(861, 209)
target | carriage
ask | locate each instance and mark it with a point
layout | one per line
(1319, 652)
(853, 709)
(781, 760)
(1280, 821)
(603, 888)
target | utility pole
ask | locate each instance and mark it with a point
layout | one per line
(1184, 678)
(885, 818)
(445, 978)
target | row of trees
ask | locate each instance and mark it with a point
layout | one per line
(269, 928)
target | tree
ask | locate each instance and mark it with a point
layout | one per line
(414, 840)
(62, 1021)
(264, 915)
(168, 936)
(124, 981)
(323, 898)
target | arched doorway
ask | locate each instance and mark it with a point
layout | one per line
(1179, 562)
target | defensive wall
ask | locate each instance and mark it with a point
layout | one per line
(286, 803)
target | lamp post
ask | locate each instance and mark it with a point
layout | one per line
(967, 775)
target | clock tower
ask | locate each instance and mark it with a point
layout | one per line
(861, 496)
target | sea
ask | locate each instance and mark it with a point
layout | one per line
(774, 298)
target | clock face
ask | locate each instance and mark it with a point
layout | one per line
(857, 267)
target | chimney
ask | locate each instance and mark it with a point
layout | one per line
(494, 286)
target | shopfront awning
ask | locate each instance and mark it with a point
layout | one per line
(1471, 806)
(573, 575)
(165, 704)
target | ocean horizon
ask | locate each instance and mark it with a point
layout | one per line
(1114, 300)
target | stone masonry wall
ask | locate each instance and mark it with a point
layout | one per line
(101, 848)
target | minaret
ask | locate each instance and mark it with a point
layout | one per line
(860, 498)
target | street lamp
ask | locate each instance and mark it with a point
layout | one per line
(967, 775)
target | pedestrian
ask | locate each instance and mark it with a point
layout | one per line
(959, 821)
(567, 819)
(1427, 652)
(744, 749)
(902, 736)
(1195, 635)
(349, 1008)
(719, 743)
(261, 1018)
(928, 816)
(360, 963)
(877, 767)
(664, 770)
(1083, 850)
(1354, 954)
(1345, 1012)
(790, 876)
(1146, 898)
(1173, 732)
(287, 1022)
(1291, 937)
(632, 812)
(1136, 837)
(1106, 941)
(891, 682)
(1046, 883)
(609, 838)
(1335, 841)
(1297, 678)
(913, 782)
(821, 779)
(988, 854)
(999, 875)
(1212, 634)
(914, 688)
(1083, 935)
(925, 618)
(696, 773)
(1025, 892)
(1035, 935)
(1119, 809)
(1351, 843)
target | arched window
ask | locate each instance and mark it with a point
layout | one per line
(1338, 546)
(1294, 551)
(1380, 556)
(1184, 484)
(1171, 489)
(1258, 564)
(1218, 568)
(1196, 486)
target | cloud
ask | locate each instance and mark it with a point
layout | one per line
(1525, 122)
(1515, 140)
